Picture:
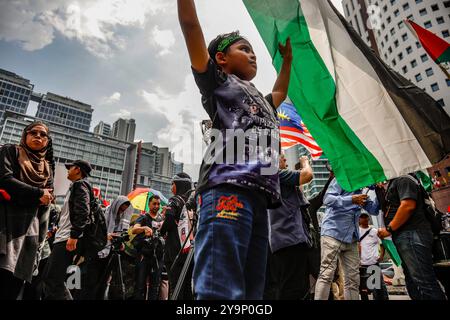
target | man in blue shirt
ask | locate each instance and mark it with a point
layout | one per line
(339, 239)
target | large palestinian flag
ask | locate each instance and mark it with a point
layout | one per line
(372, 123)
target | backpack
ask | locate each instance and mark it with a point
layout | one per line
(432, 214)
(95, 233)
(184, 228)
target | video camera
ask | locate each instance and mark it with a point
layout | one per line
(118, 240)
(150, 246)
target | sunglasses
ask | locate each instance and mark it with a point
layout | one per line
(37, 133)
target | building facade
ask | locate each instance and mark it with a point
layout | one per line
(397, 46)
(64, 111)
(15, 92)
(124, 129)
(103, 129)
(155, 168)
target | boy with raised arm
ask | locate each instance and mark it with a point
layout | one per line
(236, 187)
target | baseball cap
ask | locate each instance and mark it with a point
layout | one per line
(84, 166)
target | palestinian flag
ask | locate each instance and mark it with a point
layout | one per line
(372, 123)
(437, 48)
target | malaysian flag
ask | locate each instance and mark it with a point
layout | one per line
(293, 131)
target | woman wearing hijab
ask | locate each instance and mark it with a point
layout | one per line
(26, 175)
(118, 216)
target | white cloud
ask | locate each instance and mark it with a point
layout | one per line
(164, 39)
(91, 22)
(114, 98)
(122, 113)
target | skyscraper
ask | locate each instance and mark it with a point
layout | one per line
(124, 129)
(65, 111)
(103, 129)
(15, 92)
(395, 43)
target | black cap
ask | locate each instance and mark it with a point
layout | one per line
(84, 166)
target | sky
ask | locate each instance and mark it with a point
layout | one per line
(126, 58)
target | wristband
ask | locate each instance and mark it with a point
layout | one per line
(389, 229)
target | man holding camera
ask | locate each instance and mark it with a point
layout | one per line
(150, 260)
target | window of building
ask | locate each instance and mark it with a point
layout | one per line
(396, 43)
(385, 56)
(445, 33)
(423, 12)
(418, 45)
(389, 19)
(434, 87)
(424, 57)
(414, 63)
(429, 72)
(400, 56)
(405, 69)
(448, 82)
(418, 77)
(442, 104)
(392, 31)
(406, 6)
(390, 49)
(384, 8)
(393, 1)
(405, 37)
(447, 4)
(400, 24)
(386, 38)
(440, 20)
(419, 1)
(394, 63)
(428, 24)
(435, 7)
(396, 13)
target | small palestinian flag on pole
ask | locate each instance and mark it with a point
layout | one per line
(438, 49)
(372, 123)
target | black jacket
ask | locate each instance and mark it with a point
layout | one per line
(79, 207)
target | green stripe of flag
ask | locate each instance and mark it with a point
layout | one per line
(444, 57)
(312, 90)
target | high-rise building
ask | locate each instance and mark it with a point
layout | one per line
(15, 92)
(397, 46)
(65, 111)
(103, 129)
(124, 129)
(155, 168)
(112, 160)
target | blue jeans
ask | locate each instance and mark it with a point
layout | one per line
(414, 248)
(231, 244)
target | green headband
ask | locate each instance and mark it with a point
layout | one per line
(225, 43)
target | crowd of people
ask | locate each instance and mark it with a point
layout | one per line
(256, 236)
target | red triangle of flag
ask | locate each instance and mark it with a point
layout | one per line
(432, 44)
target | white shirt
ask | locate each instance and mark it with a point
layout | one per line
(370, 246)
(64, 225)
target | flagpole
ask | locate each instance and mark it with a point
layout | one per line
(444, 71)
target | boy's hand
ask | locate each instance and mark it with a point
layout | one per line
(286, 50)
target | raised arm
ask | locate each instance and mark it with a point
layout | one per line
(193, 35)
(280, 88)
(306, 173)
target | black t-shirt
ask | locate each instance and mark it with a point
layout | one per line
(403, 188)
(146, 220)
(235, 104)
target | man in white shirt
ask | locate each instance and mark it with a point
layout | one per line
(370, 254)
